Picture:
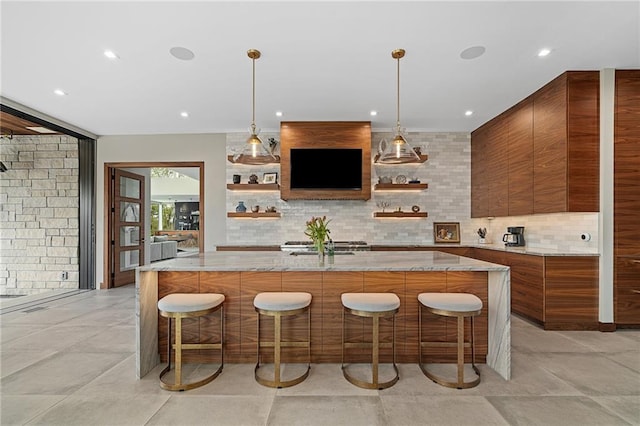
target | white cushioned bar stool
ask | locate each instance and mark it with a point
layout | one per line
(189, 305)
(375, 306)
(278, 305)
(460, 306)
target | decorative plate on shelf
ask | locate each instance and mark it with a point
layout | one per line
(401, 179)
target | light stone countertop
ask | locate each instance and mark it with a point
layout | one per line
(359, 261)
(536, 251)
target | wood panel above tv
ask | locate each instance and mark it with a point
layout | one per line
(324, 135)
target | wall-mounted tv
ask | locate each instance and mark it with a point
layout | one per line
(326, 168)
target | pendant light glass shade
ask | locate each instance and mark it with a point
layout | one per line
(399, 150)
(254, 151)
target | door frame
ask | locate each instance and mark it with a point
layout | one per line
(106, 279)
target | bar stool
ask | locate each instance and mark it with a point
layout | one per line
(278, 305)
(375, 306)
(189, 305)
(461, 306)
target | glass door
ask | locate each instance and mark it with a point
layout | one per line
(127, 212)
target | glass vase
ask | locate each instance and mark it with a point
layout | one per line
(320, 248)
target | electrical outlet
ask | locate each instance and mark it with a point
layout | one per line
(64, 275)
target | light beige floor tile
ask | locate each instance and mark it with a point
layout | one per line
(440, 410)
(235, 379)
(122, 380)
(19, 409)
(600, 342)
(109, 410)
(627, 407)
(13, 361)
(327, 410)
(325, 379)
(10, 332)
(630, 359)
(118, 338)
(60, 374)
(49, 316)
(592, 373)
(57, 338)
(533, 339)
(556, 410)
(213, 410)
(102, 317)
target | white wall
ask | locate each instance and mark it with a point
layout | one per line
(209, 148)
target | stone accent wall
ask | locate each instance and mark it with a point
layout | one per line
(39, 214)
(446, 200)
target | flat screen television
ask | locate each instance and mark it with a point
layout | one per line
(326, 168)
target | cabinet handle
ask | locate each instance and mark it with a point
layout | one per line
(635, 291)
(636, 261)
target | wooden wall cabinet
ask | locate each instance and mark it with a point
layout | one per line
(320, 134)
(566, 142)
(541, 155)
(626, 202)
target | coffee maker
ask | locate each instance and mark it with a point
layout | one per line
(514, 236)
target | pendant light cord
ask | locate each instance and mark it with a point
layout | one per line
(398, 97)
(253, 116)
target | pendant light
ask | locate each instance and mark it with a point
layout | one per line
(398, 151)
(254, 151)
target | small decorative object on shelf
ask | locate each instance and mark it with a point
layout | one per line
(236, 179)
(482, 233)
(414, 180)
(417, 150)
(444, 232)
(270, 209)
(401, 179)
(273, 144)
(415, 209)
(318, 231)
(270, 178)
(255, 208)
(382, 205)
(385, 179)
(399, 209)
(253, 179)
(241, 208)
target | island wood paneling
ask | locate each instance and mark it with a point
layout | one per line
(520, 158)
(326, 311)
(178, 282)
(627, 198)
(571, 293)
(322, 134)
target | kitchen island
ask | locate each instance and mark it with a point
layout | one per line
(241, 275)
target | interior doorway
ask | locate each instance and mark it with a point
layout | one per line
(128, 236)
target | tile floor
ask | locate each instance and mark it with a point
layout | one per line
(73, 363)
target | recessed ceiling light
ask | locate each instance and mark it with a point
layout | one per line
(473, 52)
(182, 53)
(184, 114)
(468, 113)
(59, 92)
(373, 113)
(111, 54)
(278, 113)
(544, 52)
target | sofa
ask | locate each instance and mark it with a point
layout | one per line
(160, 248)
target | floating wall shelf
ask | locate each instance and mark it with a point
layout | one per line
(400, 214)
(252, 215)
(401, 186)
(253, 187)
(423, 158)
(230, 159)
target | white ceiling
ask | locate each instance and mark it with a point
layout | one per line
(320, 60)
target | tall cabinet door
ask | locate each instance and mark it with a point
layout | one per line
(520, 148)
(627, 197)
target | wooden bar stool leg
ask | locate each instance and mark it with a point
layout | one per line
(278, 340)
(376, 349)
(178, 347)
(460, 350)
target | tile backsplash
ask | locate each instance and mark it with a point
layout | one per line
(447, 171)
